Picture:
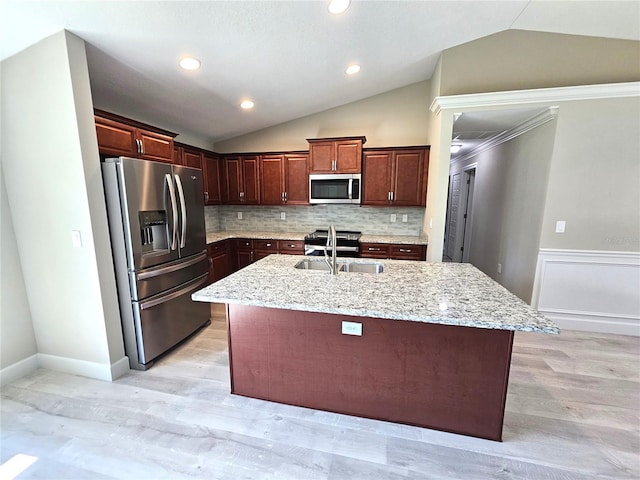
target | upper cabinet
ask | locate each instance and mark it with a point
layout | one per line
(119, 136)
(212, 185)
(241, 185)
(284, 179)
(335, 155)
(395, 176)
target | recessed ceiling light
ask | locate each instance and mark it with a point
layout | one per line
(190, 63)
(247, 104)
(338, 6)
(352, 69)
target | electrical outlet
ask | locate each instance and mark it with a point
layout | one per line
(392, 217)
(283, 215)
(560, 226)
(499, 268)
(239, 215)
(352, 328)
(405, 218)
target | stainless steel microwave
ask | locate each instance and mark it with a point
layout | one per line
(335, 188)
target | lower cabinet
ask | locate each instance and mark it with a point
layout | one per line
(219, 260)
(246, 250)
(393, 251)
(263, 248)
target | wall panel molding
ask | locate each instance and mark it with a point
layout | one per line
(589, 290)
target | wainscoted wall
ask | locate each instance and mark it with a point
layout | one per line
(305, 219)
(589, 290)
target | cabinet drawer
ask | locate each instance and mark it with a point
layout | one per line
(407, 252)
(217, 248)
(374, 250)
(266, 245)
(292, 247)
(244, 244)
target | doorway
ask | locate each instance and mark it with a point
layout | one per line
(459, 215)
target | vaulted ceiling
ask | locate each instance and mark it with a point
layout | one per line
(289, 57)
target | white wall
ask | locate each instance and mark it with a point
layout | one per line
(51, 167)
(17, 338)
(508, 204)
(395, 118)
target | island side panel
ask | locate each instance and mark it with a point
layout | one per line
(437, 376)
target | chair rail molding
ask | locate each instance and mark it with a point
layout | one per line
(589, 290)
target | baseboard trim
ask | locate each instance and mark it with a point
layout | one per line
(74, 366)
(120, 368)
(18, 370)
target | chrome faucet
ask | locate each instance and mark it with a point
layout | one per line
(331, 241)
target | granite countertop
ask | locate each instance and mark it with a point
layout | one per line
(446, 293)
(401, 239)
(217, 236)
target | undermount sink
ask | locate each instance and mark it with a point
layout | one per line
(360, 267)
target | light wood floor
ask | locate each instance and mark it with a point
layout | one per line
(573, 412)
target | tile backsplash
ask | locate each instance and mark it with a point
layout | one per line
(305, 219)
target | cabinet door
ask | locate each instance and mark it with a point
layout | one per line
(251, 177)
(232, 180)
(408, 175)
(322, 155)
(211, 169)
(192, 158)
(155, 146)
(376, 178)
(116, 138)
(296, 182)
(348, 156)
(220, 267)
(272, 179)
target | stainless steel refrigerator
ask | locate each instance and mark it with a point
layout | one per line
(156, 222)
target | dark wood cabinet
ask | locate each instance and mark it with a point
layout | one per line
(291, 247)
(335, 155)
(241, 180)
(220, 260)
(212, 185)
(187, 155)
(393, 251)
(395, 176)
(119, 136)
(284, 179)
(263, 248)
(244, 252)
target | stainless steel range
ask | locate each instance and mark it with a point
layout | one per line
(347, 243)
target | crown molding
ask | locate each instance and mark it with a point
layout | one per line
(539, 95)
(540, 119)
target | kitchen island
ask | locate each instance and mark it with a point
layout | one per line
(425, 344)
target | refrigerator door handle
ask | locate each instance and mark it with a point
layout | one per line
(174, 209)
(183, 211)
(194, 284)
(145, 275)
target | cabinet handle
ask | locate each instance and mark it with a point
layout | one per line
(371, 249)
(268, 244)
(206, 196)
(285, 196)
(242, 196)
(389, 196)
(393, 194)
(334, 165)
(282, 197)
(406, 250)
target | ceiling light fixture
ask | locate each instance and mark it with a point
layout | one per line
(338, 6)
(352, 69)
(189, 63)
(247, 104)
(455, 148)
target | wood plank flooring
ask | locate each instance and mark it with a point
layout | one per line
(573, 412)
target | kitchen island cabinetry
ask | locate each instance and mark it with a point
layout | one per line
(395, 176)
(119, 136)
(241, 179)
(335, 155)
(426, 344)
(284, 179)
(393, 251)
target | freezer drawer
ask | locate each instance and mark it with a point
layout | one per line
(152, 281)
(164, 320)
